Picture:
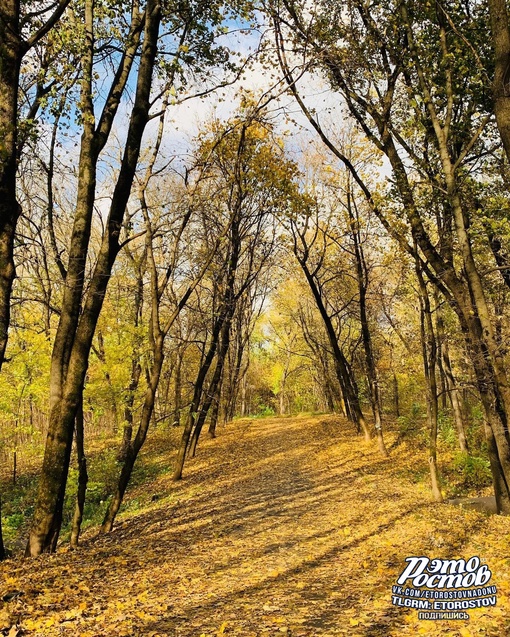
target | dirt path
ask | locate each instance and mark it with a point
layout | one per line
(281, 526)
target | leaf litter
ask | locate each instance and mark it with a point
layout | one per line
(281, 526)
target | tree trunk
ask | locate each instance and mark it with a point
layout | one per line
(216, 406)
(244, 384)
(10, 210)
(127, 432)
(141, 434)
(351, 399)
(443, 383)
(215, 414)
(451, 385)
(113, 400)
(456, 403)
(237, 374)
(487, 388)
(195, 403)
(178, 390)
(362, 277)
(396, 400)
(429, 349)
(10, 60)
(283, 384)
(82, 478)
(213, 392)
(501, 85)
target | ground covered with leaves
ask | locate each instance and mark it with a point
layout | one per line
(281, 526)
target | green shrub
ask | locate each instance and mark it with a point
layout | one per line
(474, 470)
(446, 429)
(410, 426)
(264, 411)
(10, 526)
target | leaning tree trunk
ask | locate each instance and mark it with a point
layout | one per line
(362, 277)
(141, 434)
(215, 410)
(493, 410)
(351, 398)
(195, 403)
(213, 392)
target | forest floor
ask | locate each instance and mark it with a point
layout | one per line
(281, 526)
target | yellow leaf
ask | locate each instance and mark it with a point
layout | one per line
(353, 622)
(222, 628)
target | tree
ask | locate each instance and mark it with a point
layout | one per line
(252, 181)
(74, 335)
(430, 365)
(14, 46)
(362, 276)
(159, 327)
(310, 245)
(416, 92)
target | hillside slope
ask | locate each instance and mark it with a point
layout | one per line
(281, 526)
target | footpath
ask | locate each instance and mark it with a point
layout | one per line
(281, 526)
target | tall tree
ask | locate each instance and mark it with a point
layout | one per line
(430, 366)
(251, 179)
(363, 281)
(14, 45)
(76, 327)
(310, 246)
